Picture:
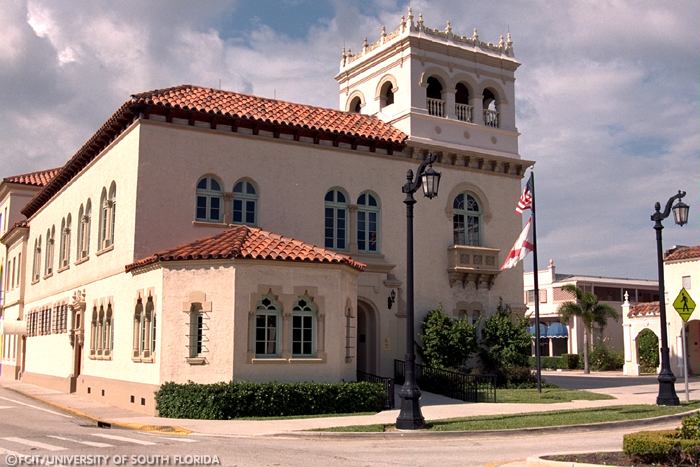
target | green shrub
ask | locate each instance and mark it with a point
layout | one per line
(570, 361)
(550, 363)
(662, 447)
(447, 342)
(505, 343)
(224, 401)
(604, 359)
(648, 349)
(690, 427)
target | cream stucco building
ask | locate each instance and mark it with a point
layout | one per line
(150, 255)
(681, 269)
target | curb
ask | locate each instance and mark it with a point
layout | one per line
(102, 423)
(484, 433)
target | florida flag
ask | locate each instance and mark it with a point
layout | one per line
(523, 245)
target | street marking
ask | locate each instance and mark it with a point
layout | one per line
(124, 438)
(181, 440)
(94, 444)
(11, 453)
(35, 407)
(7, 407)
(34, 444)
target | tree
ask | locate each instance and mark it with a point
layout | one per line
(505, 343)
(590, 311)
(447, 342)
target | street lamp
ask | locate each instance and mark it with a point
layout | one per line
(410, 417)
(667, 391)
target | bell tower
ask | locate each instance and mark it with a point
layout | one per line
(439, 87)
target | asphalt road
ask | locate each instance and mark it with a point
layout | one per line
(31, 431)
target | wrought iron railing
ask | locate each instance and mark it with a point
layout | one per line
(454, 384)
(388, 386)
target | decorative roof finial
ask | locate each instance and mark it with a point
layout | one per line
(410, 16)
(420, 20)
(627, 298)
(365, 44)
(382, 35)
(343, 57)
(475, 36)
(501, 42)
(448, 27)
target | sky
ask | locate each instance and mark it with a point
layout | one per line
(607, 97)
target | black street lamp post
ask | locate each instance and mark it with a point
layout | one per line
(410, 417)
(667, 391)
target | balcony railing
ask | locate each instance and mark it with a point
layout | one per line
(463, 112)
(475, 264)
(491, 118)
(436, 107)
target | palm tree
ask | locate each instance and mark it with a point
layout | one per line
(590, 311)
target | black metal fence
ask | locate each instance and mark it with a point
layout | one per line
(454, 384)
(388, 386)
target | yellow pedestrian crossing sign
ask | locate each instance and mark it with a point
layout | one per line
(684, 305)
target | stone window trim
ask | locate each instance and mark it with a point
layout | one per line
(144, 326)
(242, 193)
(287, 302)
(102, 329)
(472, 311)
(197, 304)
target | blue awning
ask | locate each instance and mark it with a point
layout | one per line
(543, 330)
(557, 330)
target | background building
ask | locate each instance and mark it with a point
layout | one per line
(558, 338)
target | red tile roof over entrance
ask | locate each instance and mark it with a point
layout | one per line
(644, 309)
(244, 242)
(685, 252)
(40, 178)
(233, 104)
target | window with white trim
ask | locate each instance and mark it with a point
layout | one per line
(36, 265)
(210, 200)
(48, 262)
(268, 320)
(64, 254)
(245, 201)
(144, 330)
(368, 223)
(83, 237)
(466, 220)
(336, 215)
(304, 327)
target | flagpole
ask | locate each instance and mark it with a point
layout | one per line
(535, 275)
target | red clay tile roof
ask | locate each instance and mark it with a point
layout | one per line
(243, 242)
(644, 309)
(40, 178)
(276, 112)
(686, 252)
(231, 108)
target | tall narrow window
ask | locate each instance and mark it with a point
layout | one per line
(108, 331)
(112, 201)
(367, 223)
(210, 199)
(36, 265)
(336, 213)
(48, 261)
(84, 231)
(303, 327)
(64, 255)
(196, 336)
(268, 319)
(245, 200)
(466, 220)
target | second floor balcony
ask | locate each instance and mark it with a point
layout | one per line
(475, 264)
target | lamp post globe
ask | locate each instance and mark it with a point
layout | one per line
(410, 416)
(667, 391)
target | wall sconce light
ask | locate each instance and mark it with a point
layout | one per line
(391, 299)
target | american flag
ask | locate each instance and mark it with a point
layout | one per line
(525, 201)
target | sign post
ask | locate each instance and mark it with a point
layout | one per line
(684, 305)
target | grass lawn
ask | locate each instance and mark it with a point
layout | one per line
(548, 395)
(292, 417)
(540, 419)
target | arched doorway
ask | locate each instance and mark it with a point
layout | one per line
(366, 337)
(693, 346)
(647, 351)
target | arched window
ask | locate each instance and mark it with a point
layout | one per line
(490, 104)
(466, 220)
(108, 210)
(336, 214)
(462, 108)
(268, 321)
(355, 105)
(48, 262)
(386, 96)
(210, 199)
(101, 335)
(245, 202)
(367, 223)
(436, 104)
(144, 330)
(64, 253)
(93, 332)
(83, 236)
(108, 331)
(304, 327)
(36, 265)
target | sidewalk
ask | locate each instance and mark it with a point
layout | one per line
(434, 407)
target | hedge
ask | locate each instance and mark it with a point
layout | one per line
(224, 401)
(662, 447)
(567, 361)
